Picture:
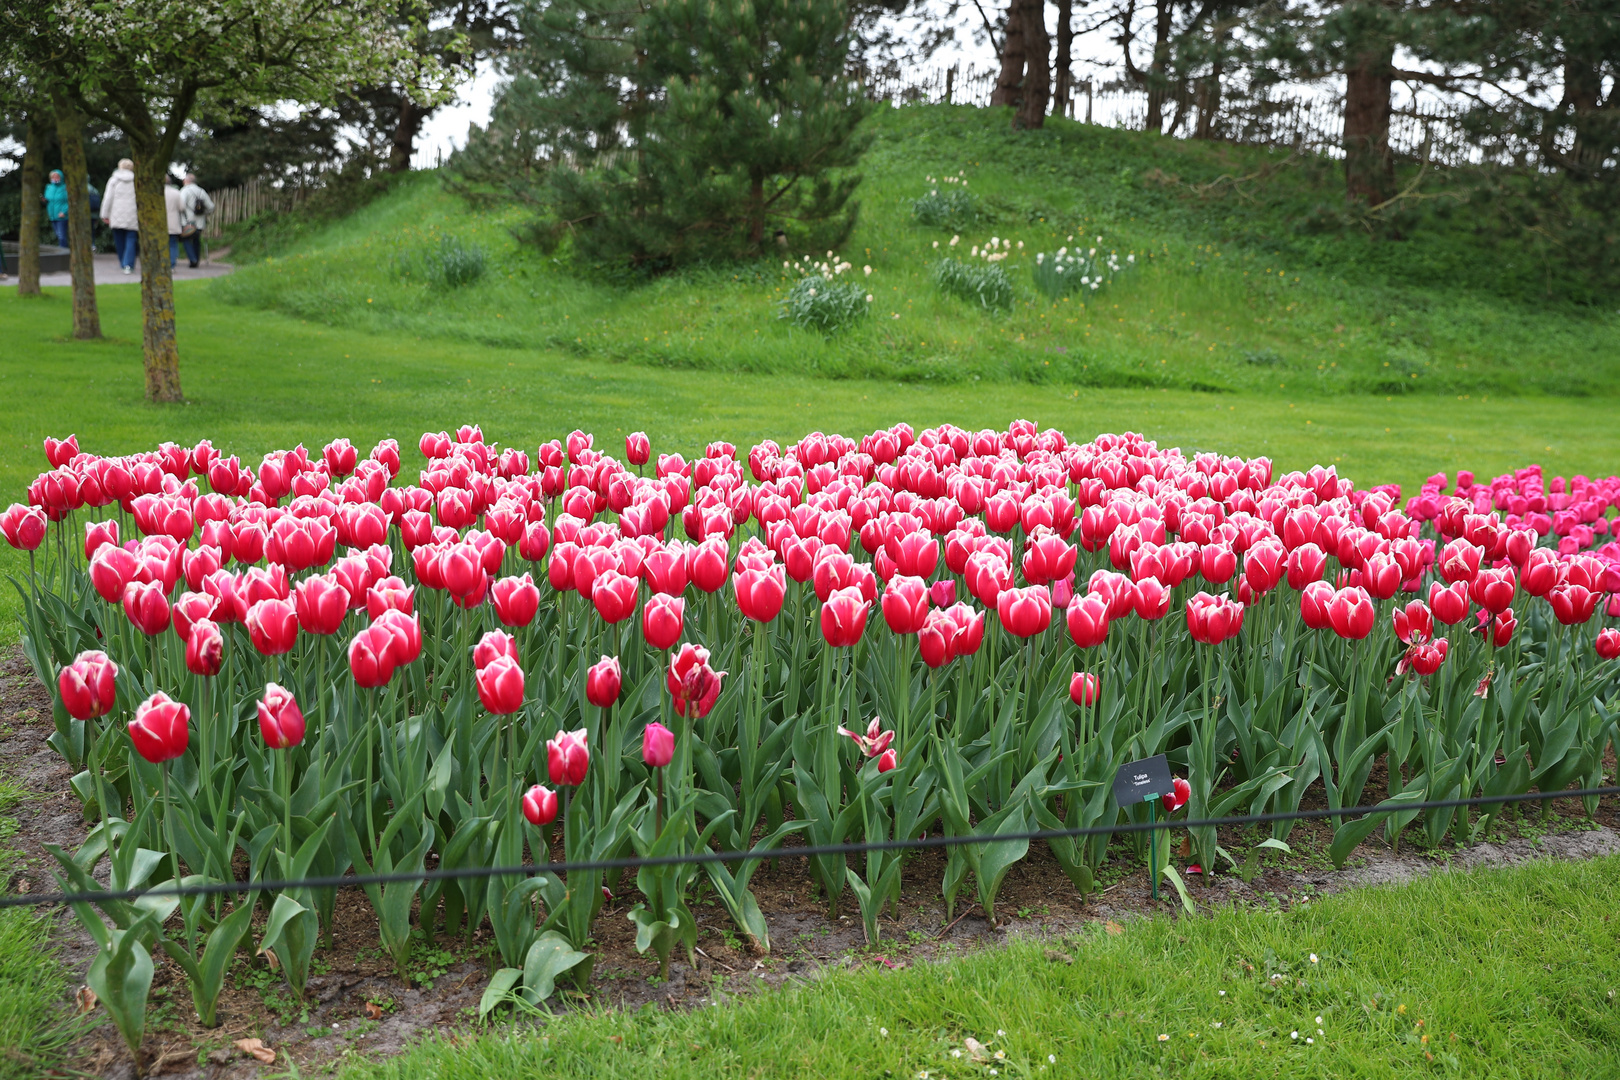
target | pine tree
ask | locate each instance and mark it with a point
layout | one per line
(678, 131)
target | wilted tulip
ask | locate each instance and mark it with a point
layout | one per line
(693, 685)
(205, 648)
(1414, 623)
(281, 721)
(603, 682)
(875, 741)
(159, 730)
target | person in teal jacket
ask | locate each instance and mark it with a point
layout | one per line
(56, 206)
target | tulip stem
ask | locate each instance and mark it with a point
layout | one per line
(174, 852)
(370, 795)
(286, 805)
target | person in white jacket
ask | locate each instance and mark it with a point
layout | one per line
(198, 206)
(177, 214)
(118, 212)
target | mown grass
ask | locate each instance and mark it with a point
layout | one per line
(1234, 287)
(1508, 972)
(258, 380)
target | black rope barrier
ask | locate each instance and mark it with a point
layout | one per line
(808, 852)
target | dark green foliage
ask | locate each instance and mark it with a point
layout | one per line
(951, 209)
(451, 263)
(985, 284)
(682, 131)
(816, 303)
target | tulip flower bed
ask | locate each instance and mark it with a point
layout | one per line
(307, 668)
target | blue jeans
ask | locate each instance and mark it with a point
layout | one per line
(126, 242)
(193, 246)
(174, 249)
(60, 225)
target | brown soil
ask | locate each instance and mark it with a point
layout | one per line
(356, 1005)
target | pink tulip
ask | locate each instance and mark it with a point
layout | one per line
(875, 741)
(937, 639)
(320, 603)
(843, 617)
(272, 626)
(1083, 688)
(603, 682)
(23, 526)
(371, 657)
(1087, 619)
(637, 448)
(662, 620)
(760, 593)
(1025, 612)
(568, 758)
(492, 646)
(159, 730)
(614, 595)
(540, 805)
(657, 745)
(1313, 605)
(146, 607)
(905, 604)
(1351, 613)
(500, 686)
(1608, 643)
(516, 600)
(88, 685)
(205, 648)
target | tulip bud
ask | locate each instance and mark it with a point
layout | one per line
(1083, 688)
(657, 745)
(159, 730)
(603, 682)
(637, 447)
(887, 760)
(281, 721)
(540, 805)
(1180, 791)
(1608, 643)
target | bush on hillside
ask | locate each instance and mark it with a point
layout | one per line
(450, 263)
(986, 285)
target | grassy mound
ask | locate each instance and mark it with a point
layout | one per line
(1244, 278)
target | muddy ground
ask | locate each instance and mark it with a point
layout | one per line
(356, 1005)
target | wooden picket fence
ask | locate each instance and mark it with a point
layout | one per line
(232, 205)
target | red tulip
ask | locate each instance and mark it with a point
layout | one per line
(568, 758)
(371, 657)
(1264, 564)
(936, 640)
(969, 629)
(99, 534)
(1381, 576)
(516, 600)
(1493, 589)
(88, 685)
(843, 617)
(1025, 612)
(637, 448)
(1087, 619)
(1176, 798)
(189, 609)
(540, 805)
(905, 604)
(707, 565)
(693, 685)
(657, 745)
(1608, 643)
(500, 685)
(390, 594)
(159, 730)
(321, 604)
(263, 583)
(662, 620)
(1449, 602)
(111, 570)
(61, 452)
(1573, 604)
(273, 626)
(1414, 623)
(1543, 571)
(1425, 658)
(1502, 628)
(23, 526)
(942, 593)
(1083, 688)
(281, 721)
(1313, 605)
(205, 648)
(1213, 619)
(222, 586)
(1305, 565)
(614, 595)
(603, 682)
(1460, 560)
(1351, 613)
(1217, 563)
(887, 761)
(1048, 558)
(535, 541)
(146, 607)
(760, 593)
(493, 645)
(1151, 599)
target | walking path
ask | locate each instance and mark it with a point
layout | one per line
(108, 273)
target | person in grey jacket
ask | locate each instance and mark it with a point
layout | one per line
(177, 215)
(118, 212)
(198, 205)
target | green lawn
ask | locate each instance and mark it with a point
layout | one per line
(258, 380)
(1232, 290)
(33, 1030)
(1504, 973)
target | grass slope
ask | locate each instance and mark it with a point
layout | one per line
(1234, 289)
(259, 380)
(1507, 973)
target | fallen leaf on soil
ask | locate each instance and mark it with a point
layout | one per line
(271, 958)
(373, 1011)
(86, 999)
(1113, 927)
(256, 1048)
(976, 1049)
(1059, 957)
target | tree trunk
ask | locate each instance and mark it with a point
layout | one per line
(402, 144)
(33, 173)
(1209, 95)
(157, 283)
(1038, 60)
(1369, 169)
(1583, 90)
(81, 260)
(1011, 81)
(756, 211)
(1161, 61)
(1063, 75)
